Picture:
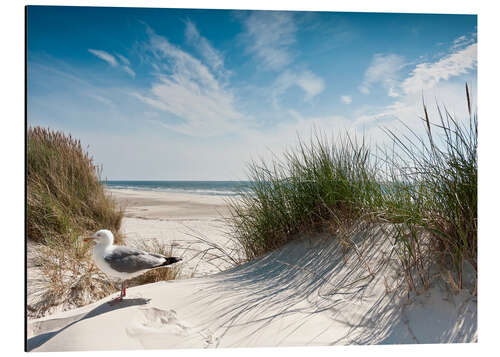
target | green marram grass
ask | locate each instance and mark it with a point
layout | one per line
(425, 188)
(434, 196)
(65, 198)
(317, 184)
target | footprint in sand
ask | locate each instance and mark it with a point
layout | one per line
(165, 320)
(155, 322)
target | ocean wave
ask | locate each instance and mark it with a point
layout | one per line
(197, 191)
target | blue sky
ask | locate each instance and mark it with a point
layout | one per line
(196, 94)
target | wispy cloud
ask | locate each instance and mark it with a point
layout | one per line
(128, 70)
(346, 99)
(188, 90)
(212, 56)
(112, 61)
(270, 35)
(124, 60)
(426, 75)
(463, 41)
(311, 84)
(428, 81)
(384, 69)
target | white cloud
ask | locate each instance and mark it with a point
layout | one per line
(442, 80)
(156, 67)
(270, 35)
(407, 111)
(384, 69)
(124, 60)
(429, 82)
(459, 40)
(346, 99)
(464, 41)
(427, 75)
(110, 59)
(311, 84)
(213, 57)
(128, 70)
(190, 92)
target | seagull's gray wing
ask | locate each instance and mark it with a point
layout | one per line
(130, 260)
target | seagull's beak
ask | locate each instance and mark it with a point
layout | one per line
(88, 239)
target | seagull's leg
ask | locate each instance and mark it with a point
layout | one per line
(124, 289)
(119, 298)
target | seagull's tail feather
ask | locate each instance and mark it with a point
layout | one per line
(169, 261)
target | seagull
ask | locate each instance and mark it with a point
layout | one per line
(123, 263)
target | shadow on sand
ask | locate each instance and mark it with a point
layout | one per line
(346, 296)
(309, 277)
(37, 341)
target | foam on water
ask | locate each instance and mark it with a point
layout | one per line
(211, 188)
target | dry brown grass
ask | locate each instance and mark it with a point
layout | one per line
(64, 279)
(65, 200)
(68, 279)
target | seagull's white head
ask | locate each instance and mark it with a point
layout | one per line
(102, 237)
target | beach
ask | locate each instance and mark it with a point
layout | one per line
(309, 292)
(189, 222)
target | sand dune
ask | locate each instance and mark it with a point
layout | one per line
(307, 293)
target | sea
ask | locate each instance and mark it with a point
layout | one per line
(212, 188)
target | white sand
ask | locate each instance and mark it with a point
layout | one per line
(181, 219)
(307, 293)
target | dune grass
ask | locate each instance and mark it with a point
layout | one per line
(434, 198)
(65, 201)
(62, 278)
(425, 188)
(316, 185)
(65, 198)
